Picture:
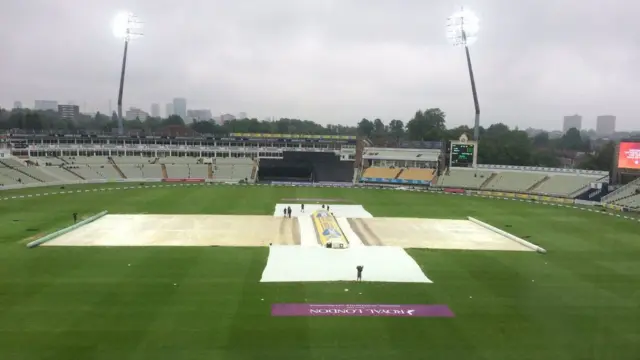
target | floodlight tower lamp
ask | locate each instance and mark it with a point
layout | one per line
(462, 30)
(126, 26)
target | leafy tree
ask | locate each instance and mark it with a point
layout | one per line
(505, 147)
(601, 159)
(396, 128)
(427, 125)
(455, 133)
(173, 120)
(572, 140)
(365, 127)
(541, 140)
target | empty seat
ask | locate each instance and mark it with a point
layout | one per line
(514, 181)
(232, 172)
(380, 172)
(464, 178)
(564, 184)
(417, 174)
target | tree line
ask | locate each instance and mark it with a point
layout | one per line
(498, 145)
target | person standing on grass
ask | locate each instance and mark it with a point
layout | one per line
(75, 217)
(359, 269)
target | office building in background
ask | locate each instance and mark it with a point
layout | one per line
(199, 115)
(17, 104)
(46, 105)
(605, 125)
(242, 115)
(155, 110)
(180, 107)
(572, 121)
(135, 113)
(169, 109)
(68, 112)
(226, 117)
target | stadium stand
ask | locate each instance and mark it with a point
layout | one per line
(380, 172)
(233, 169)
(132, 171)
(513, 181)
(631, 201)
(60, 173)
(623, 194)
(563, 184)
(151, 171)
(416, 174)
(464, 178)
(47, 160)
(198, 171)
(277, 157)
(16, 172)
(173, 160)
(180, 171)
(520, 179)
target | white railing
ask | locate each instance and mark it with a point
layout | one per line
(544, 169)
(129, 147)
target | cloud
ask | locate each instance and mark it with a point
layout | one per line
(330, 61)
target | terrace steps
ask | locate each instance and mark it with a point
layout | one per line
(538, 183)
(115, 166)
(20, 171)
(488, 180)
(74, 173)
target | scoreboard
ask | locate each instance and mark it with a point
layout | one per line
(462, 154)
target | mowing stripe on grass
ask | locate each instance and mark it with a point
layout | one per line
(54, 235)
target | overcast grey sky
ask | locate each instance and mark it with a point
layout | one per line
(331, 61)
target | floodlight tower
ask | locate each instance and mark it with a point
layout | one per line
(462, 30)
(126, 26)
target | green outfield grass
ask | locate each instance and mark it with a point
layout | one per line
(580, 301)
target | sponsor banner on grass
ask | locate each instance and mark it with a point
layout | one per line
(501, 194)
(291, 183)
(321, 183)
(187, 180)
(408, 310)
(454, 191)
(336, 184)
(395, 181)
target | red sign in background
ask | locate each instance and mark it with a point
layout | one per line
(629, 155)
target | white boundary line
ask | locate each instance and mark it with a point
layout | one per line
(321, 186)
